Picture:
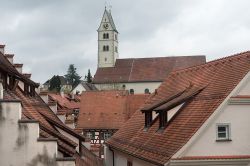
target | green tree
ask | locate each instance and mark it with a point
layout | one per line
(72, 77)
(89, 77)
(55, 84)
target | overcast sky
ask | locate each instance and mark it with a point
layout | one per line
(48, 35)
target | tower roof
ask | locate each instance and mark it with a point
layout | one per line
(110, 19)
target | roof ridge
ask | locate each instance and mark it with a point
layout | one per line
(223, 59)
(162, 57)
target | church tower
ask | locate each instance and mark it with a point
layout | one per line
(107, 41)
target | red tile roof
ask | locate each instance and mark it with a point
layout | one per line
(213, 157)
(107, 109)
(220, 77)
(33, 108)
(6, 66)
(65, 103)
(144, 69)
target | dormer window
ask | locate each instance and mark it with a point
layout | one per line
(148, 119)
(167, 108)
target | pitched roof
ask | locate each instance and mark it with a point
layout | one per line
(97, 112)
(65, 102)
(33, 108)
(6, 66)
(145, 69)
(220, 77)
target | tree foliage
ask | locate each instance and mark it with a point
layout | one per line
(89, 77)
(72, 77)
(55, 84)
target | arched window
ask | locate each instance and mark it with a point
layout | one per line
(123, 86)
(146, 91)
(131, 91)
(105, 48)
(105, 35)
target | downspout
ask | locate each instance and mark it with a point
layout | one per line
(113, 154)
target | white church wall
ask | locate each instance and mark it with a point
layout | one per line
(139, 87)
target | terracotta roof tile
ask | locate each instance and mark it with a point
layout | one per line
(144, 69)
(97, 112)
(65, 102)
(221, 76)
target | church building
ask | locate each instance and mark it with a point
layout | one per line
(138, 75)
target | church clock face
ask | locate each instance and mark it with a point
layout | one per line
(105, 26)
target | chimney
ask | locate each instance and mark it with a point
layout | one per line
(10, 57)
(1, 89)
(2, 48)
(19, 67)
(27, 75)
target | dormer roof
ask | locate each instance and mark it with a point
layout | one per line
(212, 82)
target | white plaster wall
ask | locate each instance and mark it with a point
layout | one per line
(45, 98)
(65, 163)
(206, 144)
(62, 118)
(21, 85)
(139, 87)
(10, 60)
(18, 141)
(79, 88)
(122, 158)
(245, 89)
(53, 108)
(2, 50)
(19, 69)
(76, 140)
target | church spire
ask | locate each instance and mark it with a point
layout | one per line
(107, 41)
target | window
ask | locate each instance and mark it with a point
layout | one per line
(105, 48)
(129, 163)
(123, 86)
(131, 91)
(90, 135)
(105, 36)
(116, 50)
(106, 135)
(105, 59)
(146, 91)
(115, 36)
(223, 132)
